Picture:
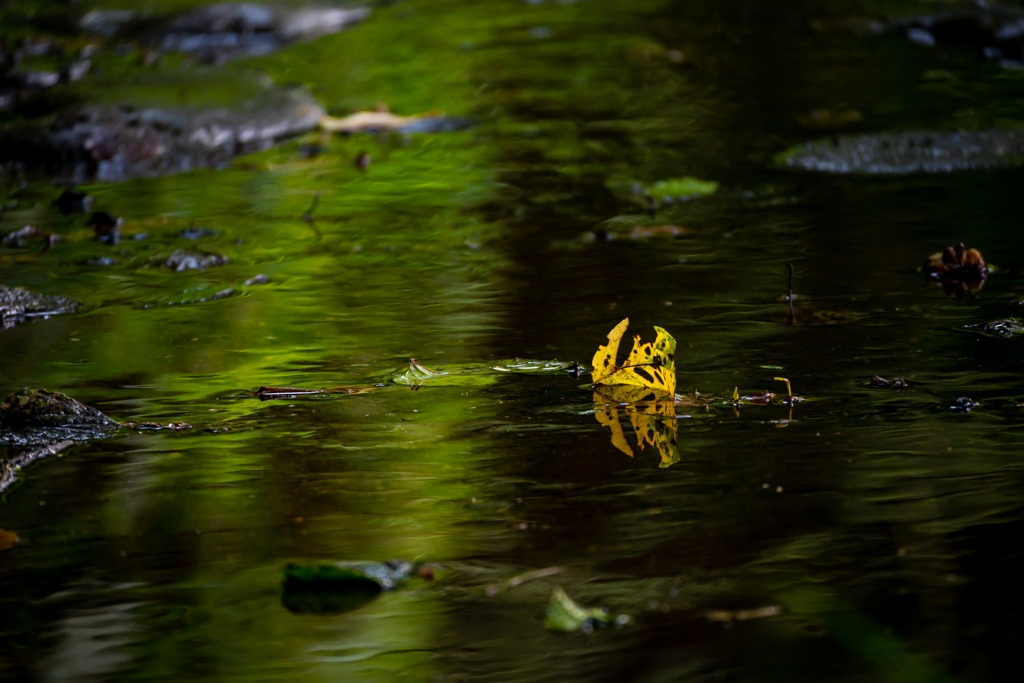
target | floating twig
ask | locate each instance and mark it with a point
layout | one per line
(742, 615)
(269, 393)
(494, 588)
(308, 216)
(789, 296)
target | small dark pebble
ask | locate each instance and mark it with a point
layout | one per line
(363, 161)
(897, 384)
(182, 260)
(310, 151)
(106, 227)
(963, 405)
(260, 279)
(196, 233)
(101, 220)
(73, 201)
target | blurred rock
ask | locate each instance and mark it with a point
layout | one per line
(114, 143)
(17, 304)
(913, 152)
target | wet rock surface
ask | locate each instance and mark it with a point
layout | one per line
(896, 384)
(1006, 328)
(991, 30)
(18, 305)
(185, 259)
(226, 30)
(73, 201)
(111, 143)
(10, 467)
(44, 423)
(914, 152)
(31, 417)
(963, 405)
(17, 82)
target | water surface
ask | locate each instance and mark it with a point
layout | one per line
(881, 524)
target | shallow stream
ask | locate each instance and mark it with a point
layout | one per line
(879, 526)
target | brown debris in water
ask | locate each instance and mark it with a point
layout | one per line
(958, 270)
(156, 426)
(729, 616)
(8, 539)
(897, 384)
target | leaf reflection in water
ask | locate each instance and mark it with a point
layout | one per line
(653, 420)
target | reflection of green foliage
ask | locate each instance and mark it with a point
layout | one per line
(327, 599)
(868, 639)
(326, 589)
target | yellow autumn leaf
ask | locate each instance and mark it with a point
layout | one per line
(648, 365)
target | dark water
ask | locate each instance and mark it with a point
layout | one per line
(881, 525)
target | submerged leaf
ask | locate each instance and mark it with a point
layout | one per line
(648, 365)
(8, 539)
(563, 614)
(681, 189)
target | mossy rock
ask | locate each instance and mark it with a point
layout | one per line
(38, 409)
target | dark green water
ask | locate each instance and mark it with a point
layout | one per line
(883, 525)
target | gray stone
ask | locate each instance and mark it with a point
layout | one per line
(113, 143)
(914, 152)
(17, 305)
